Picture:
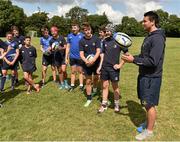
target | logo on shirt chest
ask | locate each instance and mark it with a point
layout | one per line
(30, 53)
(115, 46)
(94, 44)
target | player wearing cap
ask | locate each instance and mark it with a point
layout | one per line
(109, 68)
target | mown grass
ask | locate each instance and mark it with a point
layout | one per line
(54, 114)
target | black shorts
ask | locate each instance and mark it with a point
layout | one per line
(88, 71)
(5, 66)
(76, 62)
(109, 73)
(29, 69)
(47, 60)
(59, 61)
(148, 89)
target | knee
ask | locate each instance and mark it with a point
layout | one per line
(105, 85)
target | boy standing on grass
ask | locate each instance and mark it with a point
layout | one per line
(72, 54)
(47, 59)
(150, 62)
(58, 47)
(89, 44)
(20, 40)
(28, 61)
(109, 68)
(10, 61)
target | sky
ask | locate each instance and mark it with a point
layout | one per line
(114, 9)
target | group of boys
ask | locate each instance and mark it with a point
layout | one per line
(105, 64)
(75, 52)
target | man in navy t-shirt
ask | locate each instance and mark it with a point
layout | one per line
(89, 45)
(72, 54)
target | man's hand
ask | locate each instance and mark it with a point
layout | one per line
(127, 58)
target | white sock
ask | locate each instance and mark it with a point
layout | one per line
(116, 102)
(94, 89)
(81, 85)
(150, 132)
(72, 85)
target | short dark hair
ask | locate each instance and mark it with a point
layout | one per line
(102, 28)
(43, 29)
(7, 33)
(27, 37)
(14, 28)
(153, 16)
(86, 25)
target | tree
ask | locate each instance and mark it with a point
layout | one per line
(77, 14)
(36, 21)
(62, 23)
(173, 26)
(97, 20)
(130, 26)
(10, 15)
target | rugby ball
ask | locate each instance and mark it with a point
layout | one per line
(122, 39)
(90, 57)
(55, 46)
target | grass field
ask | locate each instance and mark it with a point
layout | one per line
(54, 114)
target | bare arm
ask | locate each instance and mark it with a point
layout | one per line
(100, 64)
(16, 56)
(67, 52)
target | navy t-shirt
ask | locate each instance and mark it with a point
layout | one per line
(89, 46)
(60, 41)
(73, 40)
(19, 40)
(111, 52)
(12, 52)
(27, 57)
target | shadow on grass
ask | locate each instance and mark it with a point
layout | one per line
(9, 95)
(136, 112)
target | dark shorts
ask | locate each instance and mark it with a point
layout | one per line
(148, 89)
(109, 73)
(76, 62)
(58, 59)
(5, 66)
(88, 71)
(29, 69)
(47, 60)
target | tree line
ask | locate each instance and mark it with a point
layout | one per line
(13, 15)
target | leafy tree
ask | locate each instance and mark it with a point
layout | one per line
(97, 20)
(36, 21)
(130, 26)
(62, 23)
(10, 15)
(78, 14)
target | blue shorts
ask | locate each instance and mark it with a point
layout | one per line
(148, 89)
(109, 73)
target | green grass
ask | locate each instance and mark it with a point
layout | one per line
(59, 115)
